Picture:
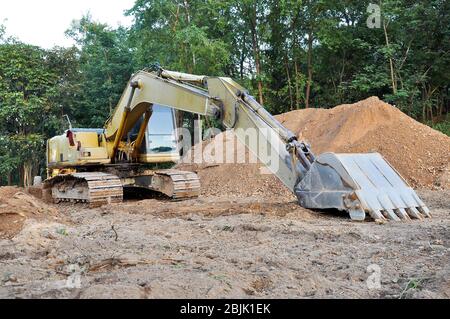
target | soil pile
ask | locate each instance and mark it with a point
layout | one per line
(16, 206)
(418, 152)
(220, 177)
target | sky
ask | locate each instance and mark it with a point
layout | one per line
(43, 22)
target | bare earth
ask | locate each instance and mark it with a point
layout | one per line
(216, 248)
(245, 237)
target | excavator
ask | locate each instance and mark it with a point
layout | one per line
(95, 165)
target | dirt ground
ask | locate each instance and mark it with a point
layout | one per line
(219, 248)
(17, 205)
(245, 236)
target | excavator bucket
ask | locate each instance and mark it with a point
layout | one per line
(359, 184)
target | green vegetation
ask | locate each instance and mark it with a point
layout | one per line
(291, 54)
(413, 284)
(28, 112)
(444, 127)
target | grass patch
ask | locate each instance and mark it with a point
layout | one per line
(443, 127)
(412, 284)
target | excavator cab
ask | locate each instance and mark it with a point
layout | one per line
(160, 143)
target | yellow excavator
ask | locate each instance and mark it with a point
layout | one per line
(95, 165)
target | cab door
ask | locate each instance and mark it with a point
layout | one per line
(160, 144)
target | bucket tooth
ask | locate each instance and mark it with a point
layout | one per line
(391, 215)
(414, 213)
(350, 182)
(401, 212)
(424, 211)
(376, 215)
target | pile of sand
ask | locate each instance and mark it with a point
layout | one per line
(418, 152)
(233, 180)
(16, 206)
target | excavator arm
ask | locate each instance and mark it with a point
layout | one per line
(220, 97)
(357, 183)
(144, 90)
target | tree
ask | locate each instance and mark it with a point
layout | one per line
(254, 14)
(2, 32)
(104, 67)
(27, 115)
(181, 35)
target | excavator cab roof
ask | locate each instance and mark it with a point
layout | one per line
(87, 130)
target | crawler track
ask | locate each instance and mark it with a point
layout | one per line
(94, 188)
(176, 184)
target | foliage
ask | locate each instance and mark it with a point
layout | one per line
(443, 127)
(104, 67)
(281, 48)
(2, 31)
(180, 35)
(27, 114)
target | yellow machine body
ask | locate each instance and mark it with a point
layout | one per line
(90, 147)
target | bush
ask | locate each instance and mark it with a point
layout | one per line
(443, 127)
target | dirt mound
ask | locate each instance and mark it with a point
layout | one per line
(238, 181)
(16, 206)
(220, 178)
(418, 152)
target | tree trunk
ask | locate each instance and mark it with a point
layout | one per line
(188, 17)
(256, 54)
(424, 113)
(294, 56)
(10, 179)
(297, 88)
(289, 85)
(391, 62)
(110, 97)
(109, 81)
(310, 71)
(177, 19)
(242, 58)
(258, 75)
(27, 179)
(20, 171)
